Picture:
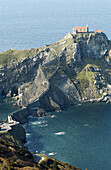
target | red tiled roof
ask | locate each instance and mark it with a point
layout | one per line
(76, 28)
(98, 31)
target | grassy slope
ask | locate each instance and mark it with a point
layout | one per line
(12, 54)
(99, 63)
(85, 78)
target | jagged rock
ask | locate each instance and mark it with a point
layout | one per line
(97, 77)
(47, 78)
(101, 91)
(105, 94)
(69, 35)
(21, 115)
(91, 68)
(98, 70)
(41, 112)
(97, 51)
(105, 99)
(100, 99)
(96, 82)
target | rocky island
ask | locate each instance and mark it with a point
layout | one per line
(74, 70)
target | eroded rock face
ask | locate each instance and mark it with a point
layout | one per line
(33, 90)
(97, 46)
(53, 77)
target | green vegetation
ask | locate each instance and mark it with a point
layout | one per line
(14, 55)
(90, 76)
(92, 62)
(55, 166)
(85, 79)
(20, 151)
(84, 83)
(98, 63)
(60, 45)
(12, 152)
(5, 166)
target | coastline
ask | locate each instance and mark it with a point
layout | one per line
(22, 114)
(57, 133)
(41, 156)
(58, 75)
(14, 139)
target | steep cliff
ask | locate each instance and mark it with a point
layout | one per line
(75, 69)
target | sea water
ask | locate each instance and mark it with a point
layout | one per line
(34, 23)
(79, 135)
(86, 138)
(6, 107)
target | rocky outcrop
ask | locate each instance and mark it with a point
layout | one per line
(72, 70)
(97, 46)
(20, 115)
(55, 164)
(19, 134)
(12, 153)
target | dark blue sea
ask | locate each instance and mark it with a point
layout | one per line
(79, 135)
(6, 107)
(86, 138)
(34, 23)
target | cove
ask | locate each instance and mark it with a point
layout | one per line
(6, 107)
(87, 138)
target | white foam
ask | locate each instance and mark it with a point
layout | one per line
(27, 134)
(33, 123)
(38, 122)
(27, 143)
(60, 133)
(52, 116)
(79, 104)
(31, 117)
(86, 124)
(24, 125)
(52, 153)
(42, 152)
(45, 125)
